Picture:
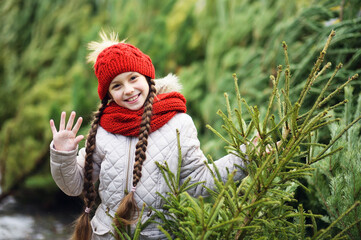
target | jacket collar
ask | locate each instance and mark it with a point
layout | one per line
(169, 83)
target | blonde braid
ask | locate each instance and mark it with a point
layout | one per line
(83, 229)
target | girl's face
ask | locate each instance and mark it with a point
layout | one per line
(129, 90)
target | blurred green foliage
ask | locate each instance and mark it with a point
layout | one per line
(336, 182)
(43, 48)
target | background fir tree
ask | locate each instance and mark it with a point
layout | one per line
(43, 69)
(263, 205)
(336, 184)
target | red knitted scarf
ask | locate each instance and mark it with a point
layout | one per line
(120, 120)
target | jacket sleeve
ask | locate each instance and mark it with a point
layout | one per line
(194, 162)
(67, 169)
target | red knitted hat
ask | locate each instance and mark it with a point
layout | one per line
(117, 59)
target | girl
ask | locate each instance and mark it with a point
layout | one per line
(134, 128)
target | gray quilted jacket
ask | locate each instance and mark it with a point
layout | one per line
(113, 166)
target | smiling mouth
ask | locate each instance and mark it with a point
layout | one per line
(132, 99)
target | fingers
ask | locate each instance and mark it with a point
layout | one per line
(52, 126)
(69, 125)
(77, 125)
(62, 121)
(268, 149)
(255, 140)
(78, 139)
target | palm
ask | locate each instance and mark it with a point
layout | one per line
(65, 139)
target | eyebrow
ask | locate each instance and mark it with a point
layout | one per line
(129, 74)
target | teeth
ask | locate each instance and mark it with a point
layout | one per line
(132, 99)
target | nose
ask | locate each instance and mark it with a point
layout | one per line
(128, 89)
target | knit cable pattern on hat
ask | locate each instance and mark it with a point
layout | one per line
(117, 59)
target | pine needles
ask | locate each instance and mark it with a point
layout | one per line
(279, 153)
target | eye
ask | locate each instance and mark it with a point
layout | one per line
(115, 86)
(132, 78)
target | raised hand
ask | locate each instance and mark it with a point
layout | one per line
(65, 139)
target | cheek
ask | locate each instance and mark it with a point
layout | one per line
(116, 92)
(146, 91)
(111, 95)
(114, 96)
(146, 88)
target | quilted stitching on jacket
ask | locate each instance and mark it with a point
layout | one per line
(114, 155)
